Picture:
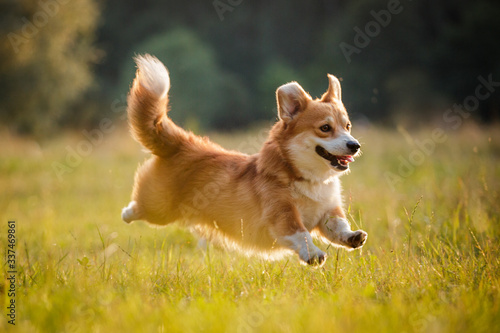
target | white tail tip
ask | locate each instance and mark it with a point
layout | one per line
(152, 75)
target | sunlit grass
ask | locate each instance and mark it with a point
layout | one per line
(430, 264)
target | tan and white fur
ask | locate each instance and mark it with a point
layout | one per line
(265, 203)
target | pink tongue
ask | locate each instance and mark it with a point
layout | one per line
(347, 158)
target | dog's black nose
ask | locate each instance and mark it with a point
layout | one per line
(353, 146)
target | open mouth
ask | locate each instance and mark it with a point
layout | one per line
(341, 163)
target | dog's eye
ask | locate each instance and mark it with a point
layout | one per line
(348, 127)
(325, 128)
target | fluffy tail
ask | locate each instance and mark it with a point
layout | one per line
(147, 108)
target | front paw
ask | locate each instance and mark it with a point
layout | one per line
(357, 239)
(317, 260)
(312, 255)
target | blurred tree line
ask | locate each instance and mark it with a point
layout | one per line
(69, 63)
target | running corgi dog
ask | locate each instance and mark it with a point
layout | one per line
(267, 203)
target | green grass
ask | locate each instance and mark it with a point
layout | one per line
(430, 263)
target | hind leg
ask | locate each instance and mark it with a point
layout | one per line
(130, 213)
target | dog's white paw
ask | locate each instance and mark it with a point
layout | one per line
(302, 243)
(129, 213)
(357, 239)
(315, 259)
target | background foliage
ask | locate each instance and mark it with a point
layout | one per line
(46, 56)
(226, 63)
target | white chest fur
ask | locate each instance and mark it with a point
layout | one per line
(315, 200)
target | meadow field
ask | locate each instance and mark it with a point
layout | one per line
(429, 202)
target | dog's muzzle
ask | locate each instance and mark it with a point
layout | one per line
(340, 163)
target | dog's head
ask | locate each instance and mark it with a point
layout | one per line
(317, 132)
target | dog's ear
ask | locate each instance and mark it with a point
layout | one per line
(291, 100)
(334, 91)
